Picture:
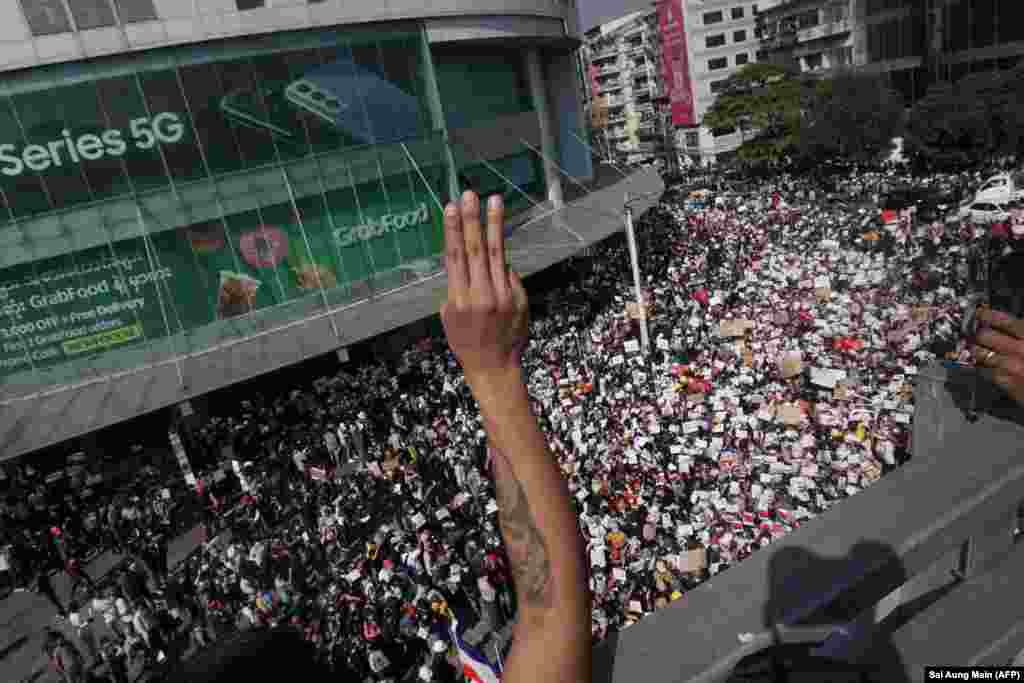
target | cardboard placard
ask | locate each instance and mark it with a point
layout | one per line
(635, 311)
(733, 328)
(791, 365)
(693, 561)
(790, 414)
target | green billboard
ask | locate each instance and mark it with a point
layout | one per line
(174, 281)
(160, 203)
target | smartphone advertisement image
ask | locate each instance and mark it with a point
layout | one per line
(354, 101)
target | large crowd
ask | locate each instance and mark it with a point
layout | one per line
(786, 328)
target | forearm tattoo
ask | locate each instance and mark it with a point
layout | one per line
(527, 550)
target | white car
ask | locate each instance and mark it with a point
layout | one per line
(979, 211)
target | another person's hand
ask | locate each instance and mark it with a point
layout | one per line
(486, 315)
(1000, 347)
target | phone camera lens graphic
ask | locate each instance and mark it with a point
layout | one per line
(302, 87)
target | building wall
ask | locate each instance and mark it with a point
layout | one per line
(36, 32)
(711, 63)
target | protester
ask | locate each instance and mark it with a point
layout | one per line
(784, 338)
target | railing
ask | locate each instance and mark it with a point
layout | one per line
(824, 30)
(611, 68)
(921, 568)
(608, 86)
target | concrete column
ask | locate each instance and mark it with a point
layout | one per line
(433, 94)
(539, 96)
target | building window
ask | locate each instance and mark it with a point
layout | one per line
(739, 36)
(131, 11)
(737, 12)
(741, 59)
(712, 18)
(46, 17)
(717, 86)
(715, 41)
(717, 63)
(755, 10)
(692, 138)
(91, 13)
(248, 4)
(808, 19)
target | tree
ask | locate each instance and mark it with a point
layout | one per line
(851, 117)
(765, 99)
(979, 117)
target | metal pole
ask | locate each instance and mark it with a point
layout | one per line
(635, 263)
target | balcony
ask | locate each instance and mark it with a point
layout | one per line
(610, 85)
(610, 68)
(606, 51)
(920, 569)
(834, 28)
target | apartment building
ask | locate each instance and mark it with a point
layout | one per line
(813, 36)
(720, 40)
(620, 60)
(913, 43)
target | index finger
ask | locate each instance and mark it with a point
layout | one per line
(1001, 321)
(455, 255)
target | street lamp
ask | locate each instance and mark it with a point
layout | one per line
(662, 106)
(634, 262)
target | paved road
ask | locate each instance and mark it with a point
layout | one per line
(24, 615)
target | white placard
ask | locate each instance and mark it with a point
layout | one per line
(632, 346)
(827, 377)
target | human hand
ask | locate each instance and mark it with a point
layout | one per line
(1000, 347)
(485, 316)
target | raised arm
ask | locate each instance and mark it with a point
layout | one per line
(485, 318)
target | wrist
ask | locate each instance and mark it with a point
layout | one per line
(497, 387)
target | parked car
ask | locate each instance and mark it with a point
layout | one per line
(1001, 188)
(977, 211)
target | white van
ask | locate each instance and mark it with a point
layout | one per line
(1001, 188)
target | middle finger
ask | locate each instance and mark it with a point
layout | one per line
(476, 252)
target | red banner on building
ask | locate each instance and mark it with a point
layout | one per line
(676, 63)
(594, 86)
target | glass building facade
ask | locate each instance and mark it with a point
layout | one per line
(156, 204)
